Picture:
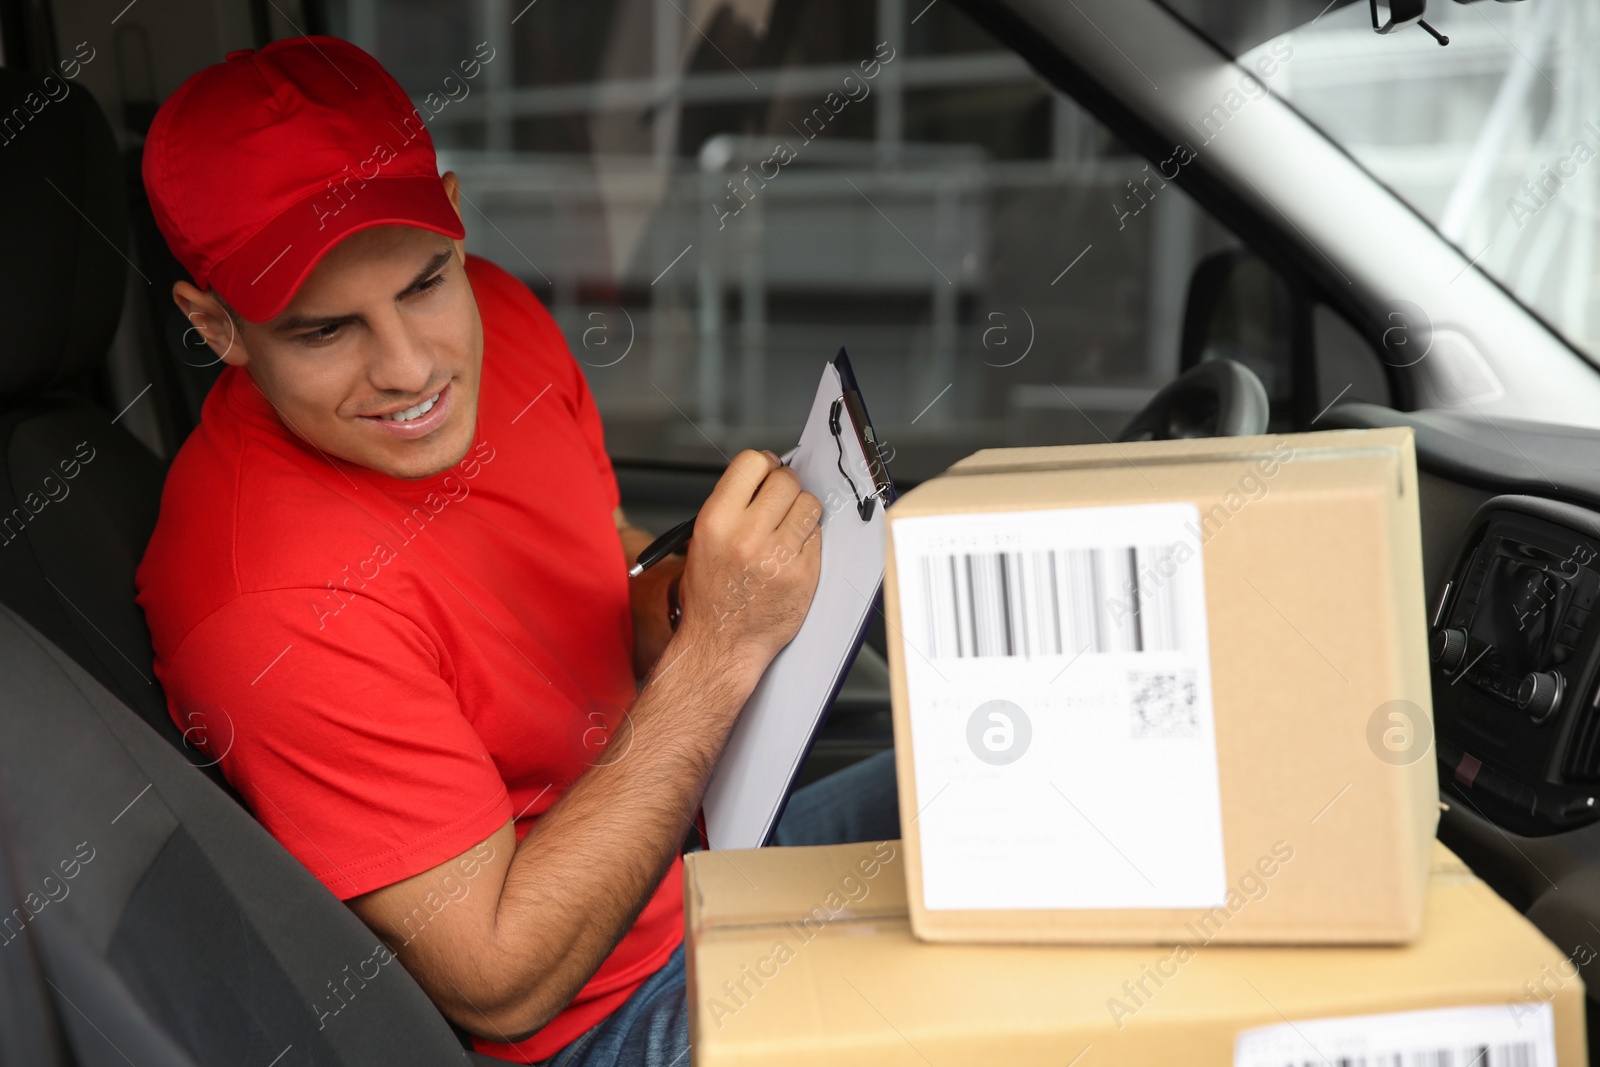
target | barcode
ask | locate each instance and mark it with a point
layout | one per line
(1468, 1036)
(1520, 1054)
(1052, 602)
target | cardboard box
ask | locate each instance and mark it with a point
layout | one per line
(1149, 692)
(805, 956)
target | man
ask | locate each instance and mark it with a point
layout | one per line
(388, 581)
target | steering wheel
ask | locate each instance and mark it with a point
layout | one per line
(1217, 398)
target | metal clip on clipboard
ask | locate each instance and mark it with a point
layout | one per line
(850, 401)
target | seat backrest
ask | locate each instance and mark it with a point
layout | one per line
(79, 495)
(170, 926)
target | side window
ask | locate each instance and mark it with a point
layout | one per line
(714, 197)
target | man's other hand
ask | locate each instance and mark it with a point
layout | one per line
(647, 595)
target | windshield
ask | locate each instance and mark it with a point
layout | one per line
(713, 198)
(1491, 138)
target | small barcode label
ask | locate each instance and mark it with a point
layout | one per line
(1522, 1054)
(1052, 602)
(1445, 1037)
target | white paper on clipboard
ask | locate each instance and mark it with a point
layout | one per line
(774, 732)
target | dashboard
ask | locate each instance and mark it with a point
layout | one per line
(1515, 644)
(1511, 553)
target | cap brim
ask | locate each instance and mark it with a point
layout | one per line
(262, 276)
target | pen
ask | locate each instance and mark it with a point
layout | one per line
(669, 542)
(663, 546)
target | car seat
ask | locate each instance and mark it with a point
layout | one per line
(79, 494)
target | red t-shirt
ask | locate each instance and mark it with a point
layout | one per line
(388, 670)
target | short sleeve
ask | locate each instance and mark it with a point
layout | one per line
(340, 732)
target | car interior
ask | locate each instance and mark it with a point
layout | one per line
(1002, 235)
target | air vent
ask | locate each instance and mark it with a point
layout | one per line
(1582, 762)
(1523, 597)
(1472, 581)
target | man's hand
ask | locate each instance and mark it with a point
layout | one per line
(754, 561)
(505, 948)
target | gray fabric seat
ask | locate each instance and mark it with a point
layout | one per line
(78, 493)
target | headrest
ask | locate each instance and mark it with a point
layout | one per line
(64, 211)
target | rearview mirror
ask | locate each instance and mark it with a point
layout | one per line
(1403, 13)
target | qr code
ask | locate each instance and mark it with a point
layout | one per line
(1163, 703)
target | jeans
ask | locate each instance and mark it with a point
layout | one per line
(651, 1029)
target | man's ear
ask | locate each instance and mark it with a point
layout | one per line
(211, 322)
(452, 189)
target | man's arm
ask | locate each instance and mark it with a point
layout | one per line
(648, 596)
(504, 954)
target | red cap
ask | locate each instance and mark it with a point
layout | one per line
(258, 165)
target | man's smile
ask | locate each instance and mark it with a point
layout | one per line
(417, 420)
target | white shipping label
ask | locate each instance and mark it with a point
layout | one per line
(1059, 683)
(1521, 1035)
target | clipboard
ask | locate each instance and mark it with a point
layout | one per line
(840, 461)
